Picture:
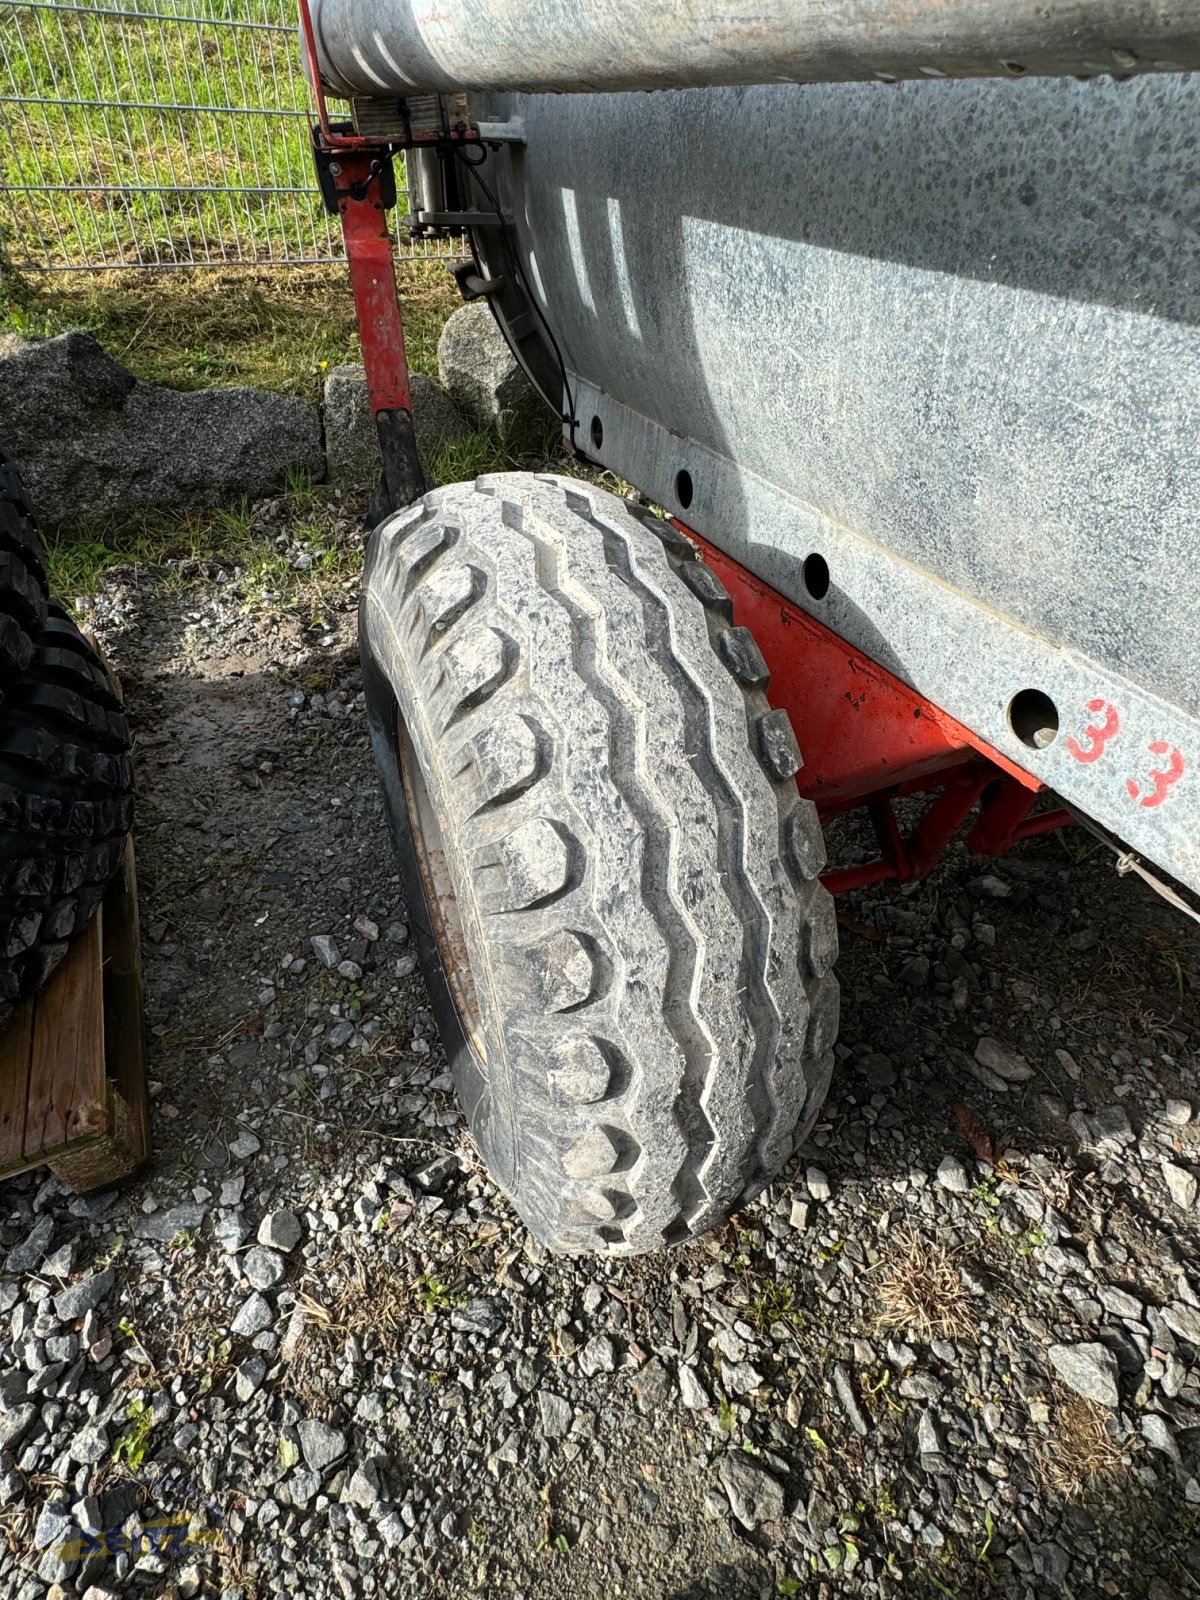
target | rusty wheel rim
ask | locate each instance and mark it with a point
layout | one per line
(440, 898)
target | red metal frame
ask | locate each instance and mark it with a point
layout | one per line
(358, 184)
(869, 739)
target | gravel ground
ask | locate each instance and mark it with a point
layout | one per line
(955, 1350)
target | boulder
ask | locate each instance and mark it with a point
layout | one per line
(479, 373)
(94, 441)
(351, 444)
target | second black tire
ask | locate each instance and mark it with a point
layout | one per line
(23, 594)
(66, 803)
(607, 863)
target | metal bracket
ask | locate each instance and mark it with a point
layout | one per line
(457, 221)
(415, 120)
(869, 739)
(330, 171)
(359, 186)
(510, 132)
(380, 124)
(471, 285)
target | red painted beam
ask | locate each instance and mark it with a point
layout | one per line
(369, 257)
(860, 728)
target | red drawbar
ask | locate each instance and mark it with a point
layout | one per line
(369, 257)
(867, 738)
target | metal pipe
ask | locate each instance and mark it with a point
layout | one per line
(389, 47)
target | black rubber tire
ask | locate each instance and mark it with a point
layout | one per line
(633, 872)
(23, 595)
(66, 803)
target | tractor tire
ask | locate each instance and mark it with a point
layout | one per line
(66, 804)
(23, 594)
(609, 871)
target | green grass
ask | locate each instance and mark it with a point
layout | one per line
(64, 65)
(76, 557)
(280, 328)
(187, 546)
(167, 140)
(131, 1445)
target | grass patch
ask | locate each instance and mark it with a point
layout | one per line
(280, 329)
(264, 554)
(1080, 1459)
(362, 1296)
(920, 1291)
(294, 564)
(133, 1442)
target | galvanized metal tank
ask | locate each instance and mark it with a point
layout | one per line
(372, 47)
(946, 336)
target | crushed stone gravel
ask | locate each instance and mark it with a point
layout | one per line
(315, 1335)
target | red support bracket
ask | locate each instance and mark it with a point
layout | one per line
(358, 184)
(360, 187)
(357, 180)
(869, 739)
(363, 190)
(1005, 820)
(903, 858)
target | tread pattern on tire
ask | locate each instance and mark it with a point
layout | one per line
(635, 869)
(23, 593)
(66, 803)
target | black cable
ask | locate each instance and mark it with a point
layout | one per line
(571, 419)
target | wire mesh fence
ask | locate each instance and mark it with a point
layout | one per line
(164, 133)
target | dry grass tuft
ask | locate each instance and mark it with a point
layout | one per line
(358, 1295)
(1080, 1458)
(920, 1290)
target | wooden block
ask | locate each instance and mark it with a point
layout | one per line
(15, 1047)
(73, 1062)
(68, 1096)
(95, 1163)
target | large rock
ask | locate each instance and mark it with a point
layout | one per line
(479, 373)
(94, 441)
(1090, 1369)
(351, 443)
(754, 1495)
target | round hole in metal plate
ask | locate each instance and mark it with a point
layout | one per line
(816, 575)
(597, 432)
(683, 488)
(1033, 717)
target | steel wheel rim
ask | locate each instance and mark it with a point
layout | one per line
(440, 898)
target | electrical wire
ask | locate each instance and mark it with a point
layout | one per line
(1127, 862)
(570, 417)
